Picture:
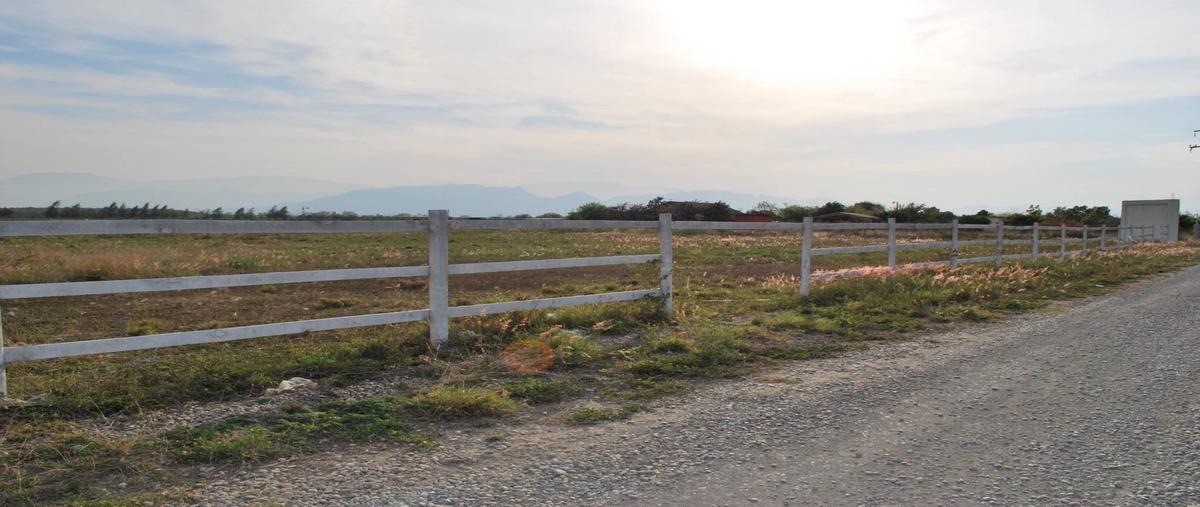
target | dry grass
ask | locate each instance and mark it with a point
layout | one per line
(736, 300)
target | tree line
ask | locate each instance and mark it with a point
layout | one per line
(680, 210)
(146, 211)
(902, 212)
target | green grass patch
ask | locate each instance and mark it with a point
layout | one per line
(456, 402)
(539, 391)
(593, 415)
(295, 430)
(146, 326)
(822, 351)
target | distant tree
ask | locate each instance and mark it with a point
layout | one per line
(6, 212)
(830, 207)
(1086, 215)
(53, 209)
(217, 214)
(589, 211)
(917, 213)
(766, 208)
(550, 215)
(679, 210)
(75, 211)
(796, 213)
(694, 210)
(522, 216)
(1186, 221)
(867, 208)
(1031, 216)
(277, 213)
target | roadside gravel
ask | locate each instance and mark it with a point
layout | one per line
(1095, 404)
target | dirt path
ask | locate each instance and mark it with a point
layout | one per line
(1098, 404)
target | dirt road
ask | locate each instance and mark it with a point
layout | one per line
(1098, 403)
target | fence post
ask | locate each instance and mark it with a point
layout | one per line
(3, 369)
(999, 244)
(1036, 232)
(1085, 245)
(666, 262)
(439, 277)
(1103, 233)
(1196, 230)
(954, 242)
(891, 242)
(1062, 243)
(806, 257)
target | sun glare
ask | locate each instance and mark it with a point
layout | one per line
(791, 42)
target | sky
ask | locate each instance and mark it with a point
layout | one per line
(959, 104)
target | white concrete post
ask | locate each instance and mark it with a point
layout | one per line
(806, 257)
(999, 244)
(891, 242)
(1085, 245)
(666, 262)
(439, 277)
(954, 242)
(1036, 232)
(1103, 233)
(1062, 243)
(3, 369)
(1196, 230)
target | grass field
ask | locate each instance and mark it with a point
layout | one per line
(736, 309)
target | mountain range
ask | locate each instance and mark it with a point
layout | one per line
(262, 192)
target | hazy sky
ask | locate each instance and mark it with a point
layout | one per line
(962, 104)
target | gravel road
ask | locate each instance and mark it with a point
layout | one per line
(1097, 403)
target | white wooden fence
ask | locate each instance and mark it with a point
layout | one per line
(438, 226)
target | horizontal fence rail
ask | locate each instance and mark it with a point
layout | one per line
(438, 270)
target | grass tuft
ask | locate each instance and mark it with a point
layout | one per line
(593, 415)
(456, 402)
(146, 326)
(539, 391)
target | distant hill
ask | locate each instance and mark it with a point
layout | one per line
(472, 200)
(261, 192)
(40, 189)
(735, 200)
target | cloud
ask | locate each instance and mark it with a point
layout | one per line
(384, 93)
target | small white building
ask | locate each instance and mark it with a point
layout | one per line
(1161, 214)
